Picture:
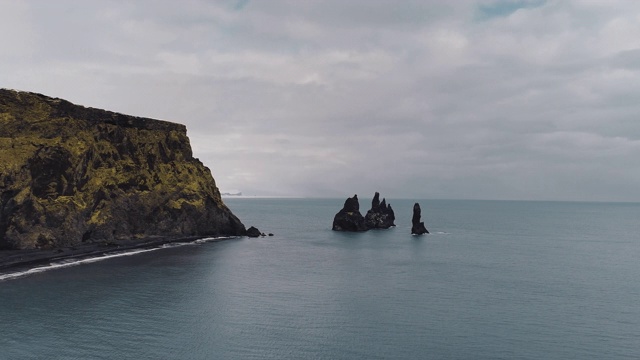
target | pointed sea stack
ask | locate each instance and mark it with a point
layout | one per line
(418, 227)
(349, 218)
(75, 176)
(381, 215)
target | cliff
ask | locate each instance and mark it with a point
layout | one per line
(71, 175)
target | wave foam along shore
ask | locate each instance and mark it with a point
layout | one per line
(91, 258)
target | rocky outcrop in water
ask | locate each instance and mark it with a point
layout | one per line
(71, 175)
(381, 215)
(349, 217)
(417, 227)
(254, 232)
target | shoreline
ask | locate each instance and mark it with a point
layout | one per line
(23, 260)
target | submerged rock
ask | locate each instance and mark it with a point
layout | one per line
(349, 217)
(417, 227)
(71, 175)
(381, 215)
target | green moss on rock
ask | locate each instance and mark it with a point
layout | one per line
(70, 174)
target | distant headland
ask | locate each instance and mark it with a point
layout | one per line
(231, 193)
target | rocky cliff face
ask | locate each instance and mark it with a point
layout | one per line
(71, 175)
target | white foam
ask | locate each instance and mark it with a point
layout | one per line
(70, 262)
(74, 262)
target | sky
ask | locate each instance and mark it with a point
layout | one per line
(424, 99)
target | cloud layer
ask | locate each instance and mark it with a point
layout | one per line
(419, 99)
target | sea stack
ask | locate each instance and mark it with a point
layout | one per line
(71, 175)
(349, 217)
(417, 227)
(381, 215)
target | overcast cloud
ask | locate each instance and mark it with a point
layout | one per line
(420, 99)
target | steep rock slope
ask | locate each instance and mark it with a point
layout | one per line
(71, 175)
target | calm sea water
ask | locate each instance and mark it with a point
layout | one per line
(494, 280)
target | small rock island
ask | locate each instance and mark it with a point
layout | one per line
(349, 218)
(72, 175)
(381, 215)
(417, 227)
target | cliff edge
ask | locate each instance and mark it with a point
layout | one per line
(71, 175)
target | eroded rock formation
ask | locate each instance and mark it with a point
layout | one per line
(381, 215)
(417, 227)
(71, 175)
(349, 217)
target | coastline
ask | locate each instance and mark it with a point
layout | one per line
(24, 260)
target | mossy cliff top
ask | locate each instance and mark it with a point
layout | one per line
(71, 175)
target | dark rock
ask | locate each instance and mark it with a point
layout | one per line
(349, 218)
(381, 215)
(352, 204)
(417, 227)
(71, 175)
(253, 232)
(270, 234)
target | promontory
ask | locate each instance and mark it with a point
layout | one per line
(72, 175)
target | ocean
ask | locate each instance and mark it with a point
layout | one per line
(493, 280)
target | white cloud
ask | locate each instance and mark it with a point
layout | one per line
(415, 99)
(18, 38)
